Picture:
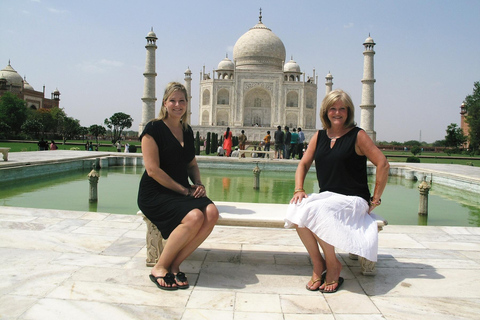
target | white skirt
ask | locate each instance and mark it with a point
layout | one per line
(339, 220)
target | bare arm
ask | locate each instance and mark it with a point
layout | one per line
(302, 170)
(365, 147)
(194, 175)
(151, 160)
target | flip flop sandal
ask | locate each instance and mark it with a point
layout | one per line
(340, 282)
(169, 279)
(321, 280)
(181, 277)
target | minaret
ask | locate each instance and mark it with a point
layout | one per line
(188, 86)
(328, 83)
(368, 105)
(148, 99)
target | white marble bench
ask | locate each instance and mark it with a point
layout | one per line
(4, 151)
(244, 215)
(270, 154)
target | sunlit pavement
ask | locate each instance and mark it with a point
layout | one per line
(84, 265)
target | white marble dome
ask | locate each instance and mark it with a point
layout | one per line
(291, 66)
(369, 40)
(151, 34)
(259, 49)
(226, 64)
(12, 77)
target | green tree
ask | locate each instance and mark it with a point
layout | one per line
(117, 123)
(57, 115)
(472, 105)
(197, 143)
(412, 143)
(82, 131)
(70, 128)
(415, 150)
(97, 130)
(454, 137)
(33, 127)
(13, 113)
(207, 147)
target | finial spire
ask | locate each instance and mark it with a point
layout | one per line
(260, 16)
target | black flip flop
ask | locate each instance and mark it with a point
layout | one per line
(169, 279)
(339, 281)
(181, 277)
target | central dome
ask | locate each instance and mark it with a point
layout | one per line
(259, 49)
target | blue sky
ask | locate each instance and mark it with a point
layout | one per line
(427, 53)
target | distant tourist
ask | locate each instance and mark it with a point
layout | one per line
(242, 140)
(279, 136)
(53, 145)
(235, 153)
(42, 145)
(301, 141)
(220, 151)
(227, 142)
(267, 140)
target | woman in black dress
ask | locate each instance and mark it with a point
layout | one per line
(182, 212)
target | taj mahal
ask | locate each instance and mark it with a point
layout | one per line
(258, 90)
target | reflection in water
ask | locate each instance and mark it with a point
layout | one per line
(118, 187)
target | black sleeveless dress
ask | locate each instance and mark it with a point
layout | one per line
(163, 207)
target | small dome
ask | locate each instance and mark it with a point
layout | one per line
(56, 91)
(329, 76)
(291, 66)
(226, 64)
(12, 77)
(27, 85)
(188, 71)
(151, 34)
(369, 40)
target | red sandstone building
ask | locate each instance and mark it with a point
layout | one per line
(11, 81)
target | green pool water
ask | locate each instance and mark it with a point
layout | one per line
(118, 187)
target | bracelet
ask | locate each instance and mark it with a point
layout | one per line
(298, 190)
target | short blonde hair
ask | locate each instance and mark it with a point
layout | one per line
(330, 99)
(169, 89)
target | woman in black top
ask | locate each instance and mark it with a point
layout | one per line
(181, 211)
(340, 215)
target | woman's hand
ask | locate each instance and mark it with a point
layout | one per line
(298, 197)
(198, 191)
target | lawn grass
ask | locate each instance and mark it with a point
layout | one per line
(392, 156)
(105, 145)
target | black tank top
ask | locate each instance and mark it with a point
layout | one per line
(340, 169)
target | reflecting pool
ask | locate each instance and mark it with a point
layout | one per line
(118, 187)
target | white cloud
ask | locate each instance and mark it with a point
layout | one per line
(348, 25)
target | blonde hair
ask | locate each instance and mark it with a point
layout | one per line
(330, 99)
(169, 89)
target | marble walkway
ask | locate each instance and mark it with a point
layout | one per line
(83, 265)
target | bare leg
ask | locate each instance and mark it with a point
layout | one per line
(310, 242)
(210, 218)
(334, 267)
(177, 240)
